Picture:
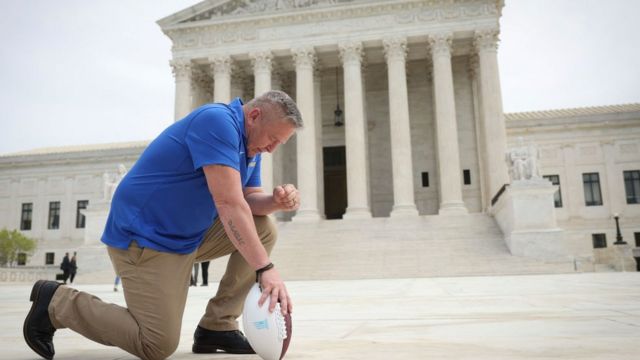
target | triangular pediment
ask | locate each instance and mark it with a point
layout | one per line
(216, 9)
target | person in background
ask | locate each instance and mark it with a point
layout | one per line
(65, 266)
(205, 272)
(73, 268)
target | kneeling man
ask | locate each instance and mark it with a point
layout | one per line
(193, 195)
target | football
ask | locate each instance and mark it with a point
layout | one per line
(268, 333)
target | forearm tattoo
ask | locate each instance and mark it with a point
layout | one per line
(236, 233)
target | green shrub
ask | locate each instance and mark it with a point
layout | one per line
(13, 243)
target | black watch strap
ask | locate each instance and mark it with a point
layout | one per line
(261, 270)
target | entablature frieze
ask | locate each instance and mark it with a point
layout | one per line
(327, 25)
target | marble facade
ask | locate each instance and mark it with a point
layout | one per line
(419, 85)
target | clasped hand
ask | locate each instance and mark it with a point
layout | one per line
(287, 197)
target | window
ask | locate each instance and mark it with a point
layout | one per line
(22, 259)
(466, 174)
(632, 186)
(54, 215)
(25, 219)
(80, 219)
(557, 197)
(637, 237)
(592, 195)
(425, 179)
(599, 241)
(49, 258)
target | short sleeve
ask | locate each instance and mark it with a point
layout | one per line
(213, 138)
(254, 180)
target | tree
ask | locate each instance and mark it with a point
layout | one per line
(13, 243)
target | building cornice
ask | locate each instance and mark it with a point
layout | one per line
(248, 28)
(73, 154)
(624, 115)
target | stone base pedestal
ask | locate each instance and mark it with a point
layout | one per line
(306, 216)
(619, 257)
(402, 211)
(357, 213)
(525, 212)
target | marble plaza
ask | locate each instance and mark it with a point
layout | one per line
(406, 152)
(579, 316)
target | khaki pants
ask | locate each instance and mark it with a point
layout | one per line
(155, 288)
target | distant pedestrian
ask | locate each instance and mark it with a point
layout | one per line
(73, 268)
(65, 267)
(194, 275)
(205, 272)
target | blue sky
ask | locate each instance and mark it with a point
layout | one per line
(81, 72)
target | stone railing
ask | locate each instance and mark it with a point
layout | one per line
(27, 274)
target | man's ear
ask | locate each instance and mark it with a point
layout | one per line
(254, 114)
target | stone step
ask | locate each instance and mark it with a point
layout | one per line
(396, 248)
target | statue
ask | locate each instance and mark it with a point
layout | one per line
(523, 162)
(110, 184)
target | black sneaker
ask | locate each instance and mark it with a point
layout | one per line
(210, 341)
(38, 330)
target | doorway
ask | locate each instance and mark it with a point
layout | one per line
(335, 181)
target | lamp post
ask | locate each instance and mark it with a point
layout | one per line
(338, 121)
(619, 240)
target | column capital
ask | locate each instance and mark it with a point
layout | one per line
(440, 44)
(486, 40)
(350, 52)
(221, 64)
(304, 57)
(181, 68)
(261, 61)
(395, 48)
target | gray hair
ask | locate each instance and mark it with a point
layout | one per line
(277, 99)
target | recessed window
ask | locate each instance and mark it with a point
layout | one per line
(22, 259)
(599, 241)
(592, 194)
(54, 215)
(425, 179)
(557, 197)
(466, 174)
(49, 258)
(80, 218)
(632, 186)
(25, 218)
(636, 235)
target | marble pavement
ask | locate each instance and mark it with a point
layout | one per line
(576, 316)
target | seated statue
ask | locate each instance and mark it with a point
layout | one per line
(110, 184)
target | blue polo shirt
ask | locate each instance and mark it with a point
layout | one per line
(163, 202)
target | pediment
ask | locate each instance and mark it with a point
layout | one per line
(216, 9)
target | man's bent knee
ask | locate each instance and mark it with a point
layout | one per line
(159, 349)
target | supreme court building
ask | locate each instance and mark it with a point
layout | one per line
(404, 134)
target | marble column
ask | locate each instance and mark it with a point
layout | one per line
(495, 133)
(182, 72)
(221, 68)
(479, 124)
(304, 59)
(614, 195)
(355, 132)
(446, 127)
(395, 50)
(571, 189)
(317, 90)
(262, 74)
